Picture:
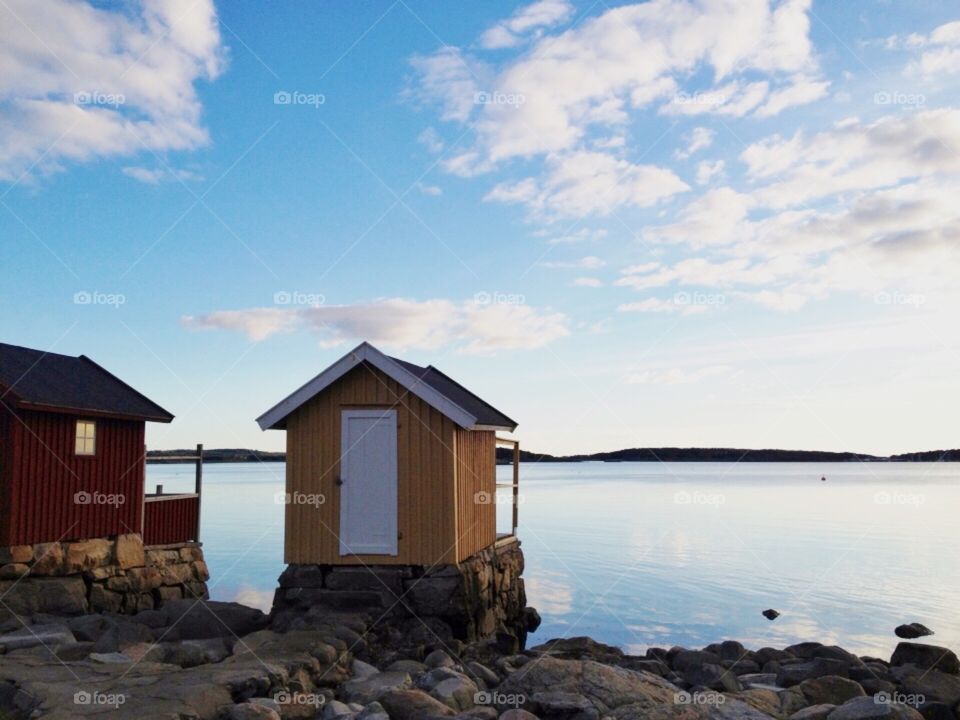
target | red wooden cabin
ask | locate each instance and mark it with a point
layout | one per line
(72, 454)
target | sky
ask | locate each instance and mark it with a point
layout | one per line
(663, 223)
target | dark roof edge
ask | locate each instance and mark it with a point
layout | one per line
(474, 395)
(165, 415)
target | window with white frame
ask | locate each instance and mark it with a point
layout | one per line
(86, 437)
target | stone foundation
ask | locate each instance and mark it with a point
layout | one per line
(116, 574)
(478, 598)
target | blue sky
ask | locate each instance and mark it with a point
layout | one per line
(637, 224)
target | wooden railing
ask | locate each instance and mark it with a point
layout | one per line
(174, 518)
(515, 484)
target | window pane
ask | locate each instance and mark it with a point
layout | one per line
(86, 437)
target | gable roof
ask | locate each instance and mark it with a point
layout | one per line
(37, 380)
(429, 384)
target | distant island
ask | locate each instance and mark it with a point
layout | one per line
(671, 454)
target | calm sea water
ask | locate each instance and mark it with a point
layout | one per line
(649, 554)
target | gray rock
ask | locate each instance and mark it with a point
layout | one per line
(911, 631)
(688, 659)
(713, 677)
(122, 635)
(483, 673)
(335, 709)
(833, 652)
(795, 674)
(250, 711)
(814, 712)
(517, 714)
(457, 693)
(363, 670)
(770, 614)
(109, 658)
(430, 679)
(49, 636)
(373, 711)
(803, 650)
(867, 708)
(761, 680)
(89, 628)
(933, 685)
(830, 689)
(926, 657)
(209, 618)
(413, 705)
(366, 690)
(478, 712)
(438, 658)
(563, 704)
(408, 666)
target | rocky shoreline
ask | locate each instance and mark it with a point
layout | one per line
(205, 660)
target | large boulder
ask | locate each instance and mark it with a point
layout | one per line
(713, 677)
(830, 689)
(868, 708)
(413, 705)
(48, 636)
(54, 595)
(193, 620)
(926, 657)
(605, 687)
(578, 648)
(458, 693)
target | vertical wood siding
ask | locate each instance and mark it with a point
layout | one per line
(6, 467)
(476, 490)
(171, 520)
(425, 467)
(47, 475)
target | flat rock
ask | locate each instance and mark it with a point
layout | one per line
(457, 693)
(49, 636)
(795, 674)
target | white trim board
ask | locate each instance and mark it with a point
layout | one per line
(365, 352)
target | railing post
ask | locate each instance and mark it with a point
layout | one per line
(199, 487)
(516, 484)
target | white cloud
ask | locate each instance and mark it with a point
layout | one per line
(533, 17)
(707, 170)
(155, 176)
(398, 322)
(629, 56)
(802, 92)
(431, 190)
(578, 236)
(81, 82)
(590, 282)
(431, 139)
(936, 54)
(700, 139)
(589, 183)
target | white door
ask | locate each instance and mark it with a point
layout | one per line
(368, 475)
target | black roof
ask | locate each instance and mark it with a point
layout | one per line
(484, 412)
(50, 381)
